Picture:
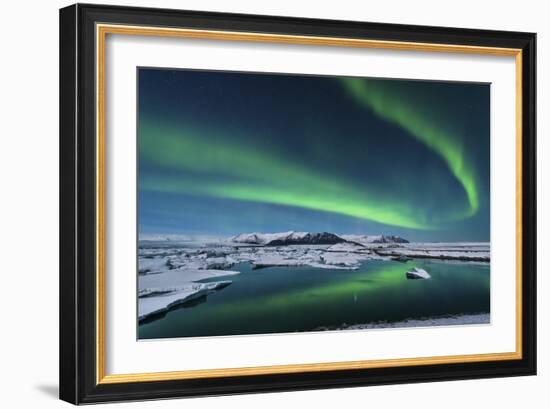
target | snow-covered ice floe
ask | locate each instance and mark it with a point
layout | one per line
(154, 301)
(161, 291)
(317, 258)
(177, 277)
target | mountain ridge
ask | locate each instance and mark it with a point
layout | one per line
(298, 238)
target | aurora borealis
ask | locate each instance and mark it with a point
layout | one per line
(389, 102)
(222, 153)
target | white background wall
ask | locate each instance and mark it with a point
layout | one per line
(29, 202)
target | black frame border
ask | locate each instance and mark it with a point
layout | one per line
(77, 315)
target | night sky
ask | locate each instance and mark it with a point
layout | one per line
(222, 153)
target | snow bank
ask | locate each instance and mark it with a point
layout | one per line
(462, 319)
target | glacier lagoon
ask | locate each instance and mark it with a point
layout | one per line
(243, 290)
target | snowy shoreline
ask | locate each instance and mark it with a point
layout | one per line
(461, 319)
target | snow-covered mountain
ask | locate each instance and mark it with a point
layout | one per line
(364, 239)
(292, 237)
(265, 238)
(287, 238)
(308, 238)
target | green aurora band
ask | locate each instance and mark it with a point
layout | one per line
(389, 102)
(241, 172)
(258, 176)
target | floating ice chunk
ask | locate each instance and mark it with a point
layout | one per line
(351, 260)
(216, 252)
(277, 259)
(348, 248)
(417, 273)
(334, 266)
(218, 263)
(179, 278)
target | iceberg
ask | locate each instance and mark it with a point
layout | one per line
(417, 273)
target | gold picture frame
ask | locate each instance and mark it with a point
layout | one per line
(106, 21)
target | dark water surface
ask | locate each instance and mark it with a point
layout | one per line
(289, 299)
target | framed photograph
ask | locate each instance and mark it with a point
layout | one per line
(257, 203)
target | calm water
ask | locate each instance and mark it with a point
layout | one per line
(289, 299)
